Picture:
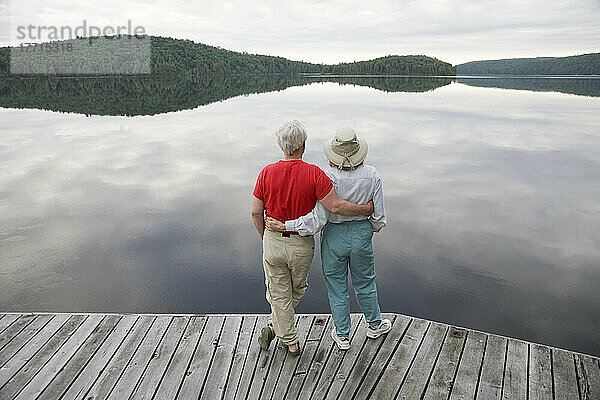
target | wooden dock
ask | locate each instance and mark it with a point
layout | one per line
(110, 356)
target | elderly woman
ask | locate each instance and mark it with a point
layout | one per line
(287, 190)
(346, 241)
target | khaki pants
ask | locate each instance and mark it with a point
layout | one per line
(286, 261)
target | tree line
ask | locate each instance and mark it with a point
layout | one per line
(394, 65)
(168, 56)
(585, 64)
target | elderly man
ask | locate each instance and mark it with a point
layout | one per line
(287, 190)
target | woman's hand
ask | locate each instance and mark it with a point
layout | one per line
(275, 225)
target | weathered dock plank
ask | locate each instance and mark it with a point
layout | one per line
(492, 370)
(12, 347)
(307, 358)
(269, 365)
(540, 373)
(220, 367)
(108, 377)
(445, 368)
(320, 360)
(242, 349)
(20, 370)
(376, 368)
(100, 360)
(134, 370)
(564, 375)
(336, 357)
(45, 375)
(111, 356)
(26, 353)
(175, 372)
(515, 371)
(252, 359)
(395, 373)
(281, 384)
(7, 321)
(159, 361)
(195, 376)
(78, 361)
(416, 380)
(467, 375)
(588, 376)
(14, 329)
(355, 365)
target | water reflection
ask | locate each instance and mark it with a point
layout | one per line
(492, 196)
(387, 84)
(149, 95)
(581, 86)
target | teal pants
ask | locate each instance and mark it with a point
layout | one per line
(348, 246)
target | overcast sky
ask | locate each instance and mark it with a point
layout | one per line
(341, 30)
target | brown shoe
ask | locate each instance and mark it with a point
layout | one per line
(266, 337)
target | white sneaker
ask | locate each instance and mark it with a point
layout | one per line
(384, 327)
(343, 343)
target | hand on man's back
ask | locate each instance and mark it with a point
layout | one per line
(274, 225)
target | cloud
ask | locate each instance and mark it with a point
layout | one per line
(336, 31)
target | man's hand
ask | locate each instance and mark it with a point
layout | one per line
(371, 207)
(275, 225)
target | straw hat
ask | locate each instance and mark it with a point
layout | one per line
(345, 150)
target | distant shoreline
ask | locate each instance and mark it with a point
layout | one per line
(579, 65)
(300, 75)
(528, 76)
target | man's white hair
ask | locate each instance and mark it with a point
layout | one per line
(290, 136)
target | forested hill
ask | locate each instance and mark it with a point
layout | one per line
(394, 65)
(175, 57)
(585, 64)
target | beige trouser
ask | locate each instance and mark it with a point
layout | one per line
(286, 261)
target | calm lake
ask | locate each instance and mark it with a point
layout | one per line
(134, 195)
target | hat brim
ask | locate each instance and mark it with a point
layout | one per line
(342, 162)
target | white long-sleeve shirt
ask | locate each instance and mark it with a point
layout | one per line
(357, 186)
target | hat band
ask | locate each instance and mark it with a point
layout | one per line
(340, 152)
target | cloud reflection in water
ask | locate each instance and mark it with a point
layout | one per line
(493, 198)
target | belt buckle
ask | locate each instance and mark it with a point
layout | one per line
(285, 234)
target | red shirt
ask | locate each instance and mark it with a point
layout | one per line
(290, 189)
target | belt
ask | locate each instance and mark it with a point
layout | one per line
(288, 234)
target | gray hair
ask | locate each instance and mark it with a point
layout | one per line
(290, 136)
